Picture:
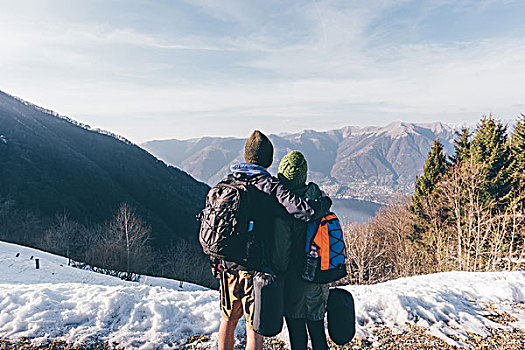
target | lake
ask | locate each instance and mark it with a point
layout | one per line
(354, 210)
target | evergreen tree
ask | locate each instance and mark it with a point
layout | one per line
(435, 166)
(462, 146)
(517, 164)
(490, 147)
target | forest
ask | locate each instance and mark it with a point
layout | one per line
(466, 213)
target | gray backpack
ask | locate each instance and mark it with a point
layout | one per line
(228, 231)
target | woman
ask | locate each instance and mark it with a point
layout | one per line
(305, 302)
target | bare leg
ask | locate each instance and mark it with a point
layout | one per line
(226, 339)
(254, 341)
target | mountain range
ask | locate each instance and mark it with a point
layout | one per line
(51, 164)
(369, 163)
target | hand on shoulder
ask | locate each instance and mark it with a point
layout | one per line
(312, 191)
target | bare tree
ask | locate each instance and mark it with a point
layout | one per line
(365, 253)
(129, 231)
(517, 235)
(467, 231)
(394, 223)
(63, 236)
(18, 225)
(185, 261)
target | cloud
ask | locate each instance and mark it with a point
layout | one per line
(318, 64)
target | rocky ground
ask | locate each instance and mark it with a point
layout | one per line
(383, 338)
(413, 338)
(27, 344)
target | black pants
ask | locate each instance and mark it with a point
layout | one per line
(299, 338)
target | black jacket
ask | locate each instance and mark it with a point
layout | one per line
(274, 200)
(274, 193)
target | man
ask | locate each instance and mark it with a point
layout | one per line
(236, 283)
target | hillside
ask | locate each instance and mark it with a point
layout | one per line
(50, 164)
(367, 163)
(61, 302)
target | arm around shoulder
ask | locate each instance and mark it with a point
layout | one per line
(300, 208)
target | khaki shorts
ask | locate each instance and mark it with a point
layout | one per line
(236, 295)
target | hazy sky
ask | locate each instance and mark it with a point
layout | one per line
(162, 69)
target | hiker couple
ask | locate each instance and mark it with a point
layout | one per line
(254, 227)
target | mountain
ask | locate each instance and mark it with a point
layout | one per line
(365, 163)
(50, 164)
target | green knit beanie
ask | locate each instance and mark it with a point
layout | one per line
(293, 169)
(258, 150)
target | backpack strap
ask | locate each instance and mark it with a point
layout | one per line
(328, 217)
(249, 180)
(229, 266)
(225, 290)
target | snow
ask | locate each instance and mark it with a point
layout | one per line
(54, 269)
(57, 301)
(449, 303)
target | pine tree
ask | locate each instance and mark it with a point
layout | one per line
(435, 166)
(491, 148)
(462, 146)
(517, 164)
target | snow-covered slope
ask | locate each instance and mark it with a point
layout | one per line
(53, 269)
(78, 305)
(58, 301)
(450, 303)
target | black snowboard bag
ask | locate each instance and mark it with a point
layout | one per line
(341, 316)
(268, 304)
